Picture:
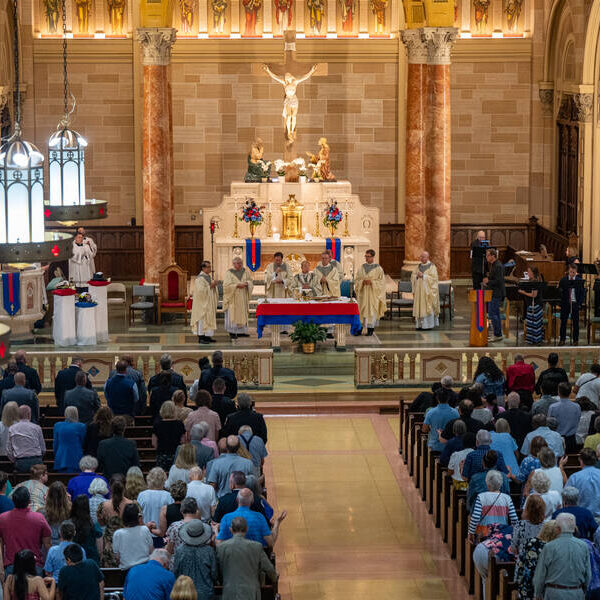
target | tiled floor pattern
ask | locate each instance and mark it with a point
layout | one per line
(355, 527)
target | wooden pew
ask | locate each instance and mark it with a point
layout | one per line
(507, 587)
(492, 584)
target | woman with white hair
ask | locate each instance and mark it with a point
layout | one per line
(152, 500)
(492, 512)
(97, 492)
(556, 473)
(69, 436)
(540, 485)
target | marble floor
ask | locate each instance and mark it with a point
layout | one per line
(355, 526)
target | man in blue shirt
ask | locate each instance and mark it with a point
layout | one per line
(474, 461)
(553, 438)
(567, 414)
(121, 392)
(436, 419)
(6, 503)
(258, 528)
(55, 559)
(151, 580)
(586, 524)
(587, 481)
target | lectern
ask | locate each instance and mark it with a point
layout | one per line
(479, 330)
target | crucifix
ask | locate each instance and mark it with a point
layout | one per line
(290, 73)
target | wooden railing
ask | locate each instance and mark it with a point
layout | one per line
(253, 368)
(396, 367)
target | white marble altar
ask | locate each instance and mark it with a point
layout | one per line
(359, 233)
(32, 299)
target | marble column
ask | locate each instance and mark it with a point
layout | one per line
(159, 227)
(439, 41)
(415, 219)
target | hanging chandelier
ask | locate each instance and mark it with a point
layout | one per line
(66, 162)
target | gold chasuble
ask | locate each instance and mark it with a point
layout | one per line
(426, 307)
(236, 301)
(204, 306)
(274, 289)
(371, 297)
(301, 280)
(332, 286)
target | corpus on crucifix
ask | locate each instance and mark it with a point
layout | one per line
(290, 74)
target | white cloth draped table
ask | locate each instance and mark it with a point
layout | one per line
(85, 317)
(98, 291)
(63, 321)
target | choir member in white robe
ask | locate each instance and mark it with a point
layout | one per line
(237, 290)
(205, 298)
(277, 278)
(93, 248)
(304, 281)
(370, 290)
(81, 262)
(426, 307)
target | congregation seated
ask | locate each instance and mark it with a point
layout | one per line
(245, 415)
(83, 398)
(166, 366)
(68, 439)
(22, 396)
(66, 380)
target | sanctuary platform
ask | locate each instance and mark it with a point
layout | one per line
(358, 230)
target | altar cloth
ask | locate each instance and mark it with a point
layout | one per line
(287, 311)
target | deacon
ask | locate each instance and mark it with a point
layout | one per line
(304, 281)
(277, 278)
(237, 290)
(81, 263)
(205, 298)
(370, 290)
(327, 277)
(426, 306)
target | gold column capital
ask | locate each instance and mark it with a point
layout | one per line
(156, 44)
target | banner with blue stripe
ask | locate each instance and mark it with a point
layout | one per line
(11, 292)
(335, 245)
(253, 254)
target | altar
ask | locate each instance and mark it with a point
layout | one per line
(358, 230)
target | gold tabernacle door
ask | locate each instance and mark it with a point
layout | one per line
(292, 219)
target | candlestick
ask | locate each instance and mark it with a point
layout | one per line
(235, 225)
(346, 232)
(269, 223)
(317, 224)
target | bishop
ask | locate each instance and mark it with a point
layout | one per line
(304, 282)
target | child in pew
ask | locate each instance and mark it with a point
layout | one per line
(55, 560)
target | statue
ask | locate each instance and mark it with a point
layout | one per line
(320, 162)
(258, 169)
(283, 7)
(186, 8)
(316, 9)
(481, 15)
(513, 12)
(378, 8)
(52, 14)
(251, 8)
(290, 102)
(83, 13)
(348, 7)
(116, 8)
(219, 8)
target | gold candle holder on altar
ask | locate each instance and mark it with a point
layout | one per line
(317, 223)
(292, 219)
(269, 224)
(235, 225)
(346, 232)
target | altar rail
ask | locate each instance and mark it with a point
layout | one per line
(253, 368)
(397, 367)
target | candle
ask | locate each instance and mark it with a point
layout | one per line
(276, 236)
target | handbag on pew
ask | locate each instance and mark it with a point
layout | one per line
(483, 531)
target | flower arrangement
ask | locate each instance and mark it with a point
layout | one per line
(301, 164)
(280, 166)
(333, 216)
(251, 213)
(85, 298)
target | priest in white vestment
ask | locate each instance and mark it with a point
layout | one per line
(370, 291)
(304, 281)
(237, 290)
(205, 298)
(277, 278)
(81, 263)
(336, 264)
(92, 245)
(426, 307)
(327, 277)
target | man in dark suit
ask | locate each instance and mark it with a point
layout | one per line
(571, 299)
(221, 404)
(495, 281)
(117, 454)
(478, 262)
(208, 377)
(138, 378)
(246, 415)
(65, 381)
(84, 400)
(9, 376)
(21, 395)
(166, 364)
(31, 375)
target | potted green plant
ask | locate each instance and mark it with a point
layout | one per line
(307, 334)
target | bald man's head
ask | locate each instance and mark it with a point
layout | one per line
(20, 356)
(25, 413)
(245, 497)
(481, 235)
(20, 378)
(233, 444)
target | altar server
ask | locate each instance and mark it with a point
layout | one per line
(88, 241)
(237, 290)
(304, 281)
(327, 277)
(370, 290)
(205, 298)
(81, 263)
(277, 278)
(426, 307)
